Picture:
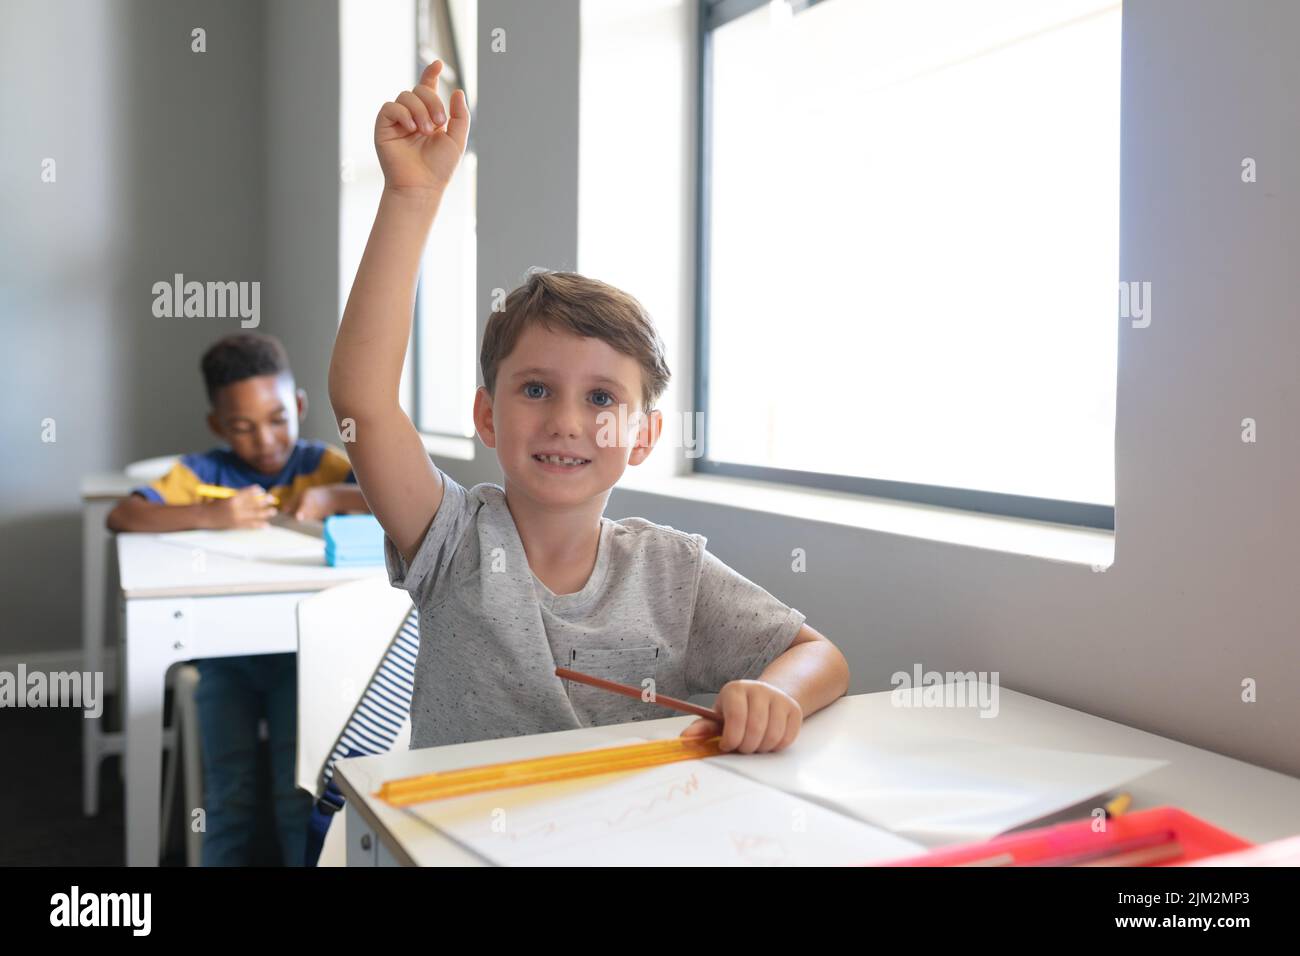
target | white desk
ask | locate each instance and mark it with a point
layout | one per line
(1257, 804)
(177, 608)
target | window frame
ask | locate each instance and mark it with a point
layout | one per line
(711, 15)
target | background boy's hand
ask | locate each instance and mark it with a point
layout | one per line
(247, 508)
(757, 718)
(418, 141)
(313, 504)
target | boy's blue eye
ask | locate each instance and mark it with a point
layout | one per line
(596, 395)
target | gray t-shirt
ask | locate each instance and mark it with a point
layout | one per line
(658, 606)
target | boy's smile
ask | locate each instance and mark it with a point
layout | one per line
(556, 394)
(559, 464)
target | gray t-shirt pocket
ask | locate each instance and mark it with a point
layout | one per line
(633, 665)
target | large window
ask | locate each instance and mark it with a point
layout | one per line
(438, 382)
(446, 325)
(909, 249)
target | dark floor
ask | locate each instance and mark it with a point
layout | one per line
(41, 823)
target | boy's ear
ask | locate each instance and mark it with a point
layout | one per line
(302, 404)
(647, 434)
(214, 424)
(483, 417)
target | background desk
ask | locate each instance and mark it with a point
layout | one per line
(1254, 803)
(178, 606)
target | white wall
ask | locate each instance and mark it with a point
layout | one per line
(636, 179)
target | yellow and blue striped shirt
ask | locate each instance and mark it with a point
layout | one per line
(311, 463)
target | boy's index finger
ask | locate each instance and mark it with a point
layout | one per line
(458, 119)
(429, 77)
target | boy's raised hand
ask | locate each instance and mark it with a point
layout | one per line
(419, 142)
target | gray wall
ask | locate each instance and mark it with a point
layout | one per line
(161, 169)
(1202, 593)
(526, 133)
(221, 166)
(300, 295)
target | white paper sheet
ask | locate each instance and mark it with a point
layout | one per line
(254, 544)
(689, 813)
(942, 791)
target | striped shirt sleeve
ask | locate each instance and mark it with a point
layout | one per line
(180, 486)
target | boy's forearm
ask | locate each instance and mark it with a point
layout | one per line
(370, 350)
(137, 514)
(814, 673)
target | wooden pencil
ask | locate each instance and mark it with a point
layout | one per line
(627, 691)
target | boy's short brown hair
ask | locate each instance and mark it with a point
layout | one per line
(569, 302)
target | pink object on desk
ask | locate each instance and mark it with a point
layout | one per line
(1284, 852)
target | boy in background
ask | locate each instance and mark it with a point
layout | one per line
(512, 581)
(255, 409)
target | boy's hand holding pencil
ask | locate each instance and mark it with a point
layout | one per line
(757, 717)
(249, 507)
(751, 716)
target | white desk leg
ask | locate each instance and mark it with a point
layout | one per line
(94, 548)
(363, 845)
(155, 637)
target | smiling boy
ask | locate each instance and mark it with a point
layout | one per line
(512, 581)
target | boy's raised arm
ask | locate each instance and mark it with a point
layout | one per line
(419, 147)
